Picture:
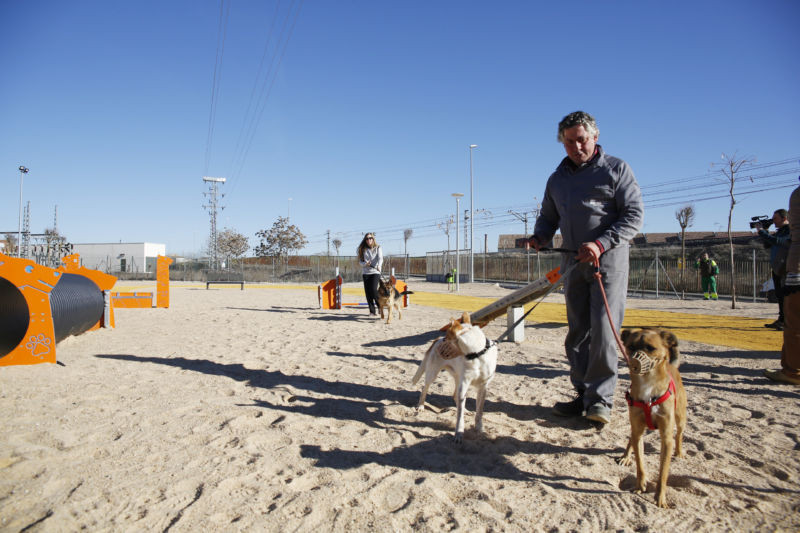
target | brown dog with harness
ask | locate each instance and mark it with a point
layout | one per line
(656, 400)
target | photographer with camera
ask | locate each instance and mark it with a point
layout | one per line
(778, 245)
(790, 351)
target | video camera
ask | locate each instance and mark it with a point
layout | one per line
(764, 222)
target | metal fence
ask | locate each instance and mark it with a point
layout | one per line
(652, 272)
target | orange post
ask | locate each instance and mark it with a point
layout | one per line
(327, 294)
(162, 281)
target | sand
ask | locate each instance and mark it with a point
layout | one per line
(256, 411)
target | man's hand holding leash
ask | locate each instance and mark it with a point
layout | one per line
(589, 252)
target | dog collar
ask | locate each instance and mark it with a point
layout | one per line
(647, 406)
(475, 355)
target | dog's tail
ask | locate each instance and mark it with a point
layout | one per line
(423, 363)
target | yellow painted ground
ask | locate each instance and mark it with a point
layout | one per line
(735, 332)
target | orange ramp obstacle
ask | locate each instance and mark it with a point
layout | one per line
(41, 306)
(145, 299)
(518, 298)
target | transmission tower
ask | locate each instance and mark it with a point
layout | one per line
(212, 205)
(26, 231)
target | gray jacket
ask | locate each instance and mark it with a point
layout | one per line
(373, 261)
(599, 201)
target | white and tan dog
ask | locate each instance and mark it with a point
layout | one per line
(470, 358)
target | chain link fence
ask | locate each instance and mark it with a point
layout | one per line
(653, 272)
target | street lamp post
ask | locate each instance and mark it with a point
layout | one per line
(22, 172)
(471, 217)
(457, 196)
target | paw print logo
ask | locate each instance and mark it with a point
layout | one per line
(38, 345)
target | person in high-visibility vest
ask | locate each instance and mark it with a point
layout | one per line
(708, 276)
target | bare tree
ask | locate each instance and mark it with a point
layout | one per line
(280, 239)
(730, 168)
(12, 244)
(232, 244)
(407, 233)
(685, 218)
(444, 225)
(337, 243)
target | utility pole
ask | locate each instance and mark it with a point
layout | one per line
(524, 218)
(26, 230)
(212, 205)
(329, 242)
(466, 229)
(22, 172)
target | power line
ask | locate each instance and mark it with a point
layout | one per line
(266, 90)
(222, 31)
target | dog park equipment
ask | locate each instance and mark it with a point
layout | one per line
(512, 305)
(41, 306)
(329, 293)
(145, 299)
(517, 298)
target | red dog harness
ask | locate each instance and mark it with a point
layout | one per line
(647, 406)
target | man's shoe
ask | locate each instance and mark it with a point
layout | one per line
(599, 413)
(571, 408)
(778, 375)
(778, 324)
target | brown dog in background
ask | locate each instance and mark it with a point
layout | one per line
(390, 298)
(656, 399)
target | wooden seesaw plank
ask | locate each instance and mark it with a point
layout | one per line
(529, 292)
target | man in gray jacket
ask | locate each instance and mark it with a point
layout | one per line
(594, 199)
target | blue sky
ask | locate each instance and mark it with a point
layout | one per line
(362, 112)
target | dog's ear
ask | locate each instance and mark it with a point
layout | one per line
(465, 318)
(671, 342)
(624, 334)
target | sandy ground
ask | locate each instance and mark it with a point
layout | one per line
(256, 411)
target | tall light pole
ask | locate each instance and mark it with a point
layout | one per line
(457, 196)
(22, 172)
(471, 216)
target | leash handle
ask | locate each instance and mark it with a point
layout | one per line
(563, 250)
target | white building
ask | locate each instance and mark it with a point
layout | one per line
(120, 256)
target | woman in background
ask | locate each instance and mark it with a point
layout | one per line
(370, 257)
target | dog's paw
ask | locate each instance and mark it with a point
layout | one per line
(458, 438)
(625, 460)
(420, 408)
(661, 500)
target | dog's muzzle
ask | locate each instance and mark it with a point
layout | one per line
(640, 363)
(449, 350)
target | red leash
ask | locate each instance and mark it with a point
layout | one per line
(599, 278)
(644, 406)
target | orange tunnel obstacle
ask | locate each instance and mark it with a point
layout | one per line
(41, 306)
